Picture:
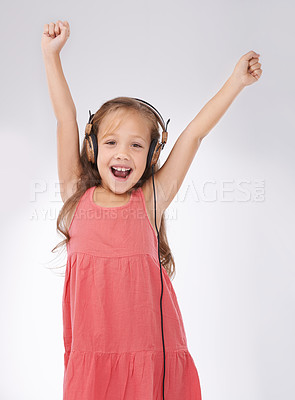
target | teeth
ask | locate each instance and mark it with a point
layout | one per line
(121, 169)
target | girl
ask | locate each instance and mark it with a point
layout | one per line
(119, 344)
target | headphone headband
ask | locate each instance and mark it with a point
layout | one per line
(155, 147)
(158, 113)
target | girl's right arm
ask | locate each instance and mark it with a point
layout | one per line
(68, 150)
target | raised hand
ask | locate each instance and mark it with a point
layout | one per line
(54, 36)
(248, 69)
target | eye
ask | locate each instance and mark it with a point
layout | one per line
(112, 141)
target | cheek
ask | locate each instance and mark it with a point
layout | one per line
(103, 156)
(140, 160)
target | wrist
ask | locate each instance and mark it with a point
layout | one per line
(236, 82)
(50, 54)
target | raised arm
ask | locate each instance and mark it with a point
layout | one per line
(54, 37)
(170, 176)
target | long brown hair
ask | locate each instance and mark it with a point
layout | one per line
(90, 176)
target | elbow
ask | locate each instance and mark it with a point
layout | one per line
(200, 138)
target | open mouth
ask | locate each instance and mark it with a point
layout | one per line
(120, 174)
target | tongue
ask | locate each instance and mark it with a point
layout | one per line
(120, 174)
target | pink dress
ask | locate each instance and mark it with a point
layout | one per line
(111, 310)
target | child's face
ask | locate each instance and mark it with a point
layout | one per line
(123, 139)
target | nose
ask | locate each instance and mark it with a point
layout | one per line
(122, 154)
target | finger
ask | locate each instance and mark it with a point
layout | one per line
(51, 30)
(254, 75)
(254, 67)
(253, 60)
(46, 29)
(66, 24)
(257, 73)
(251, 54)
(57, 28)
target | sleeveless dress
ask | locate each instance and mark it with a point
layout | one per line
(111, 310)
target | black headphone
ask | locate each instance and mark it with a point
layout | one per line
(152, 158)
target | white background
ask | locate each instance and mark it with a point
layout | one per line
(234, 253)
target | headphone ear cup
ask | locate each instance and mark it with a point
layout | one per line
(95, 147)
(156, 153)
(91, 148)
(151, 153)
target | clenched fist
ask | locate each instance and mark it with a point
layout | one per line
(54, 36)
(248, 69)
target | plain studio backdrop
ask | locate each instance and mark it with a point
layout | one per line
(231, 226)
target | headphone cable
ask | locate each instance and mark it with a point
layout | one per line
(161, 277)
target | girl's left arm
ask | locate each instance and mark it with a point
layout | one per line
(170, 176)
